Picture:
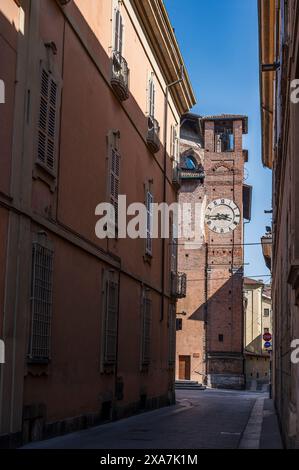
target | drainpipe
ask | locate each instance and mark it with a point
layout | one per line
(206, 311)
(170, 85)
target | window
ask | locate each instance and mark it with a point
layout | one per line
(224, 138)
(171, 334)
(149, 224)
(41, 302)
(173, 249)
(221, 338)
(190, 163)
(114, 175)
(179, 324)
(151, 97)
(118, 32)
(146, 322)
(47, 121)
(110, 319)
(175, 144)
(266, 312)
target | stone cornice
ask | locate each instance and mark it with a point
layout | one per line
(157, 27)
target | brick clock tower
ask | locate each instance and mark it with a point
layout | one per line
(210, 320)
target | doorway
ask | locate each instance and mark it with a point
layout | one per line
(184, 367)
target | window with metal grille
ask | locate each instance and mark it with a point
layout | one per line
(41, 302)
(110, 322)
(47, 120)
(149, 223)
(146, 329)
(118, 32)
(171, 334)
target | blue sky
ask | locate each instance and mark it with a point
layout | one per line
(219, 42)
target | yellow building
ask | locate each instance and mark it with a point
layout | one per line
(258, 321)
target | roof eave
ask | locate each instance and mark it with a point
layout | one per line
(159, 31)
(266, 10)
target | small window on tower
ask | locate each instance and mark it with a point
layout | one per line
(221, 338)
(266, 312)
(224, 137)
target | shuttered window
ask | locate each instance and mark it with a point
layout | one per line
(41, 302)
(149, 223)
(110, 322)
(171, 334)
(118, 32)
(175, 143)
(47, 122)
(114, 180)
(151, 97)
(173, 249)
(146, 330)
(114, 160)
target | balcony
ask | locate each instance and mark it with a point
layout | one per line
(176, 176)
(120, 76)
(178, 285)
(153, 135)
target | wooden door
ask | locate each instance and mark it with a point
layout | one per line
(184, 368)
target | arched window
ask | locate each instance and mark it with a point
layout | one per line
(190, 163)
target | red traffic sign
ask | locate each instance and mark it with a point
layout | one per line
(267, 337)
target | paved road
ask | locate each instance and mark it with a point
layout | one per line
(210, 419)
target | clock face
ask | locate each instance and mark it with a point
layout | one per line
(222, 216)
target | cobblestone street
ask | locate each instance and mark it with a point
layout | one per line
(210, 419)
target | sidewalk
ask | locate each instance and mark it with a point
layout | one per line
(262, 430)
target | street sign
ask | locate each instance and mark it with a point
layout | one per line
(268, 345)
(267, 337)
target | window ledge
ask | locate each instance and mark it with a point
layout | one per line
(43, 173)
(31, 361)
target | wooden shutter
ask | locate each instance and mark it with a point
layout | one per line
(111, 321)
(118, 32)
(149, 223)
(47, 131)
(113, 176)
(173, 250)
(121, 36)
(114, 180)
(146, 329)
(176, 144)
(172, 148)
(152, 97)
